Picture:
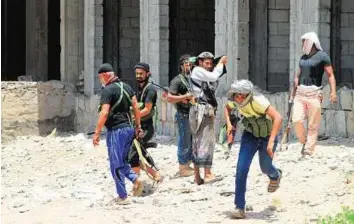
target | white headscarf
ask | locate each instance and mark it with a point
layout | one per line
(241, 87)
(310, 38)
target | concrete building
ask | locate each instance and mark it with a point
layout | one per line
(67, 40)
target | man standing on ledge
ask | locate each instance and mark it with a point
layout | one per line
(116, 99)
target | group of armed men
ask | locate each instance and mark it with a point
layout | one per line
(129, 115)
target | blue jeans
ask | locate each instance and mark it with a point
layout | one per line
(118, 144)
(249, 146)
(184, 148)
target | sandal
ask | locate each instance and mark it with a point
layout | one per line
(200, 182)
(138, 189)
(213, 179)
(274, 184)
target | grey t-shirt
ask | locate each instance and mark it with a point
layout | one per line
(312, 68)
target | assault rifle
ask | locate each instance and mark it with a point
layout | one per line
(285, 138)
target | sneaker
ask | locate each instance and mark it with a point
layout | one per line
(238, 213)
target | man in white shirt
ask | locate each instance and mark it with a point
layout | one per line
(203, 79)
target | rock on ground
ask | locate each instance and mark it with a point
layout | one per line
(66, 180)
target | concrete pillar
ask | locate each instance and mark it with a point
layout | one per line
(89, 47)
(154, 33)
(231, 39)
(72, 40)
(308, 16)
(37, 39)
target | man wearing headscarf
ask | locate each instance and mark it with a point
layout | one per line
(262, 124)
(308, 91)
(202, 115)
(180, 95)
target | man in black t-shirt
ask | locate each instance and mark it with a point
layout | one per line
(308, 94)
(180, 96)
(146, 95)
(116, 99)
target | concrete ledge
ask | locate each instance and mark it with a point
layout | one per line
(36, 108)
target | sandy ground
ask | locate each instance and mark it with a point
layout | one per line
(65, 180)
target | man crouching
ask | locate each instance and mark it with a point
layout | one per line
(262, 124)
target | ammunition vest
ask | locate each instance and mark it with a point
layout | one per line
(258, 126)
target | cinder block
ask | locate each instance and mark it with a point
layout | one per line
(350, 19)
(347, 6)
(346, 98)
(271, 4)
(283, 53)
(350, 123)
(278, 15)
(282, 4)
(272, 53)
(347, 33)
(277, 66)
(347, 61)
(273, 28)
(135, 22)
(283, 28)
(278, 41)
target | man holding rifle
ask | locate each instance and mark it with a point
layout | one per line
(147, 96)
(204, 79)
(180, 95)
(116, 99)
(308, 95)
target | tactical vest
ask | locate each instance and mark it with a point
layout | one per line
(259, 127)
(141, 106)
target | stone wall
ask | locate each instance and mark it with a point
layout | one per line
(278, 45)
(196, 27)
(337, 120)
(347, 41)
(98, 42)
(129, 40)
(36, 108)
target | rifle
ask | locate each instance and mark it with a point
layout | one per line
(285, 138)
(164, 89)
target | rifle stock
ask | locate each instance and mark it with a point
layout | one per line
(285, 137)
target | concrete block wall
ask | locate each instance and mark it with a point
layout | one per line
(154, 38)
(98, 42)
(72, 40)
(129, 40)
(196, 27)
(347, 41)
(278, 45)
(232, 39)
(337, 120)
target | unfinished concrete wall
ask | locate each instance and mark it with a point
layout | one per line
(278, 45)
(154, 38)
(196, 27)
(337, 120)
(232, 39)
(347, 42)
(129, 39)
(308, 16)
(37, 39)
(31, 108)
(72, 40)
(98, 42)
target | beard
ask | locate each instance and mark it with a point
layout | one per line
(141, 80)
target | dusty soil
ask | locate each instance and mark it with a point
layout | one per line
(65, 180)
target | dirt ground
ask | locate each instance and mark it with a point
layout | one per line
(65, 180)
